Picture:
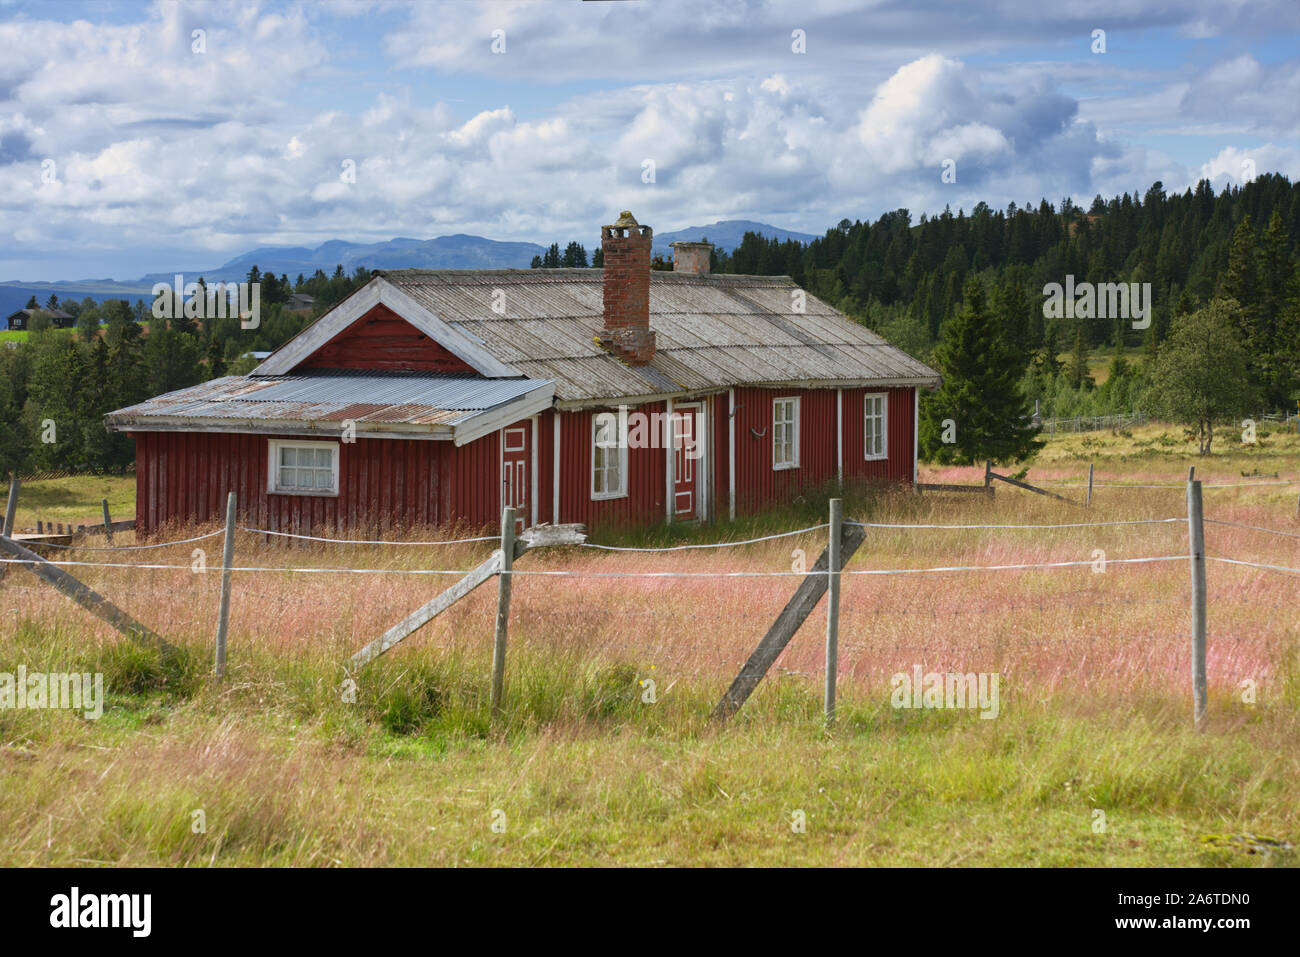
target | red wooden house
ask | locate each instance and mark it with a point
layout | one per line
(621, 395)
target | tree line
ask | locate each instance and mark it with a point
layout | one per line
(56, 388)
(964, 292)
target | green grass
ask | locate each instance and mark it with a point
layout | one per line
(76, 500)
(287, 773)
(13, 335)
(286, 770)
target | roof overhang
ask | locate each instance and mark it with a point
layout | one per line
(607, 401)
(467, 428)
(379, 291)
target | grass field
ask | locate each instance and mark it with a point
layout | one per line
(1093, 726)
(76, 500)
(12, 335)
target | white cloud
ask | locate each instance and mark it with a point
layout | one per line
(157, 146)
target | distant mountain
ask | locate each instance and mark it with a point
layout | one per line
(459, 251)
(727, 234)
(14, 295)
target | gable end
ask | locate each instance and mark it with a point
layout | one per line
(381, 339)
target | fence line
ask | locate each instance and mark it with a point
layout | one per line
(78, 473)
(361, 541)
(126, 548)
(1237, 561)
(1146, 485)
(571, 573)
(1257, 528)
(804, 600)
(1140, 521)
(678, 548)
(1093, 423)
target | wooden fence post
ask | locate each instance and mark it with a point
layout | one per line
(988, 472)
(1089, 505)
(503, 607)
(11, 510)
(86, 597)
(227, 561)
(108, 524)
(833, 566)
(1196, 543)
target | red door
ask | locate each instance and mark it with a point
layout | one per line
(686, 453)
(514, 474)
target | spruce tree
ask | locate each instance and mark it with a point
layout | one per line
(1275, 345)
(1079, 376)
(980, 392)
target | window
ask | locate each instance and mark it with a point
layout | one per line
(303, 468)
(785, 433)
(875, 443)
(608, 456)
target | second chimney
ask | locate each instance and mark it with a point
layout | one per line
(694, 259)
(626, 333)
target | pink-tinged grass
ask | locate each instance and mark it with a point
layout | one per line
(1094, 687)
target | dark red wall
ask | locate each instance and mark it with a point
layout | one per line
(381, 339)
(388, 483)
(383, 483)
(644, 502)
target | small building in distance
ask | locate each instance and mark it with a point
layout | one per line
(22, 319)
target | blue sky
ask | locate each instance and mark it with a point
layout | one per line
(124, 149)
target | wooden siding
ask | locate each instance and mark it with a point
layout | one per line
(381, 339)
(384, 484)
(896, 468)
(644, 503)
(396, 483)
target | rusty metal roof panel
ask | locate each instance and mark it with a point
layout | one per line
(333, 397)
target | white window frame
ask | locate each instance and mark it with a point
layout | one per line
(621, 429)
(884, 426)
(793, 423)
(273, 467)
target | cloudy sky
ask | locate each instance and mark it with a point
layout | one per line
(140, 137)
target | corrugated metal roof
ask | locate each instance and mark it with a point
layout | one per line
(712, 332)
(396, 398)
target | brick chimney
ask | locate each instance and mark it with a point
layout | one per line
(692, 258)
(626, 332)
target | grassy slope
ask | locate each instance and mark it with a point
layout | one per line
(76, 500)
(587, 773)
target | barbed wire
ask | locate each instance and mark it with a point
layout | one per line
(1151, 485)
(1237, 561)
(581, 573)
(1257, 528)
(358, 541)
(678, 548)
(1139, 521)
(124, 548)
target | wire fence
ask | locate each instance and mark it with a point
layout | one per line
(1093, 423)
(1090, 615)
